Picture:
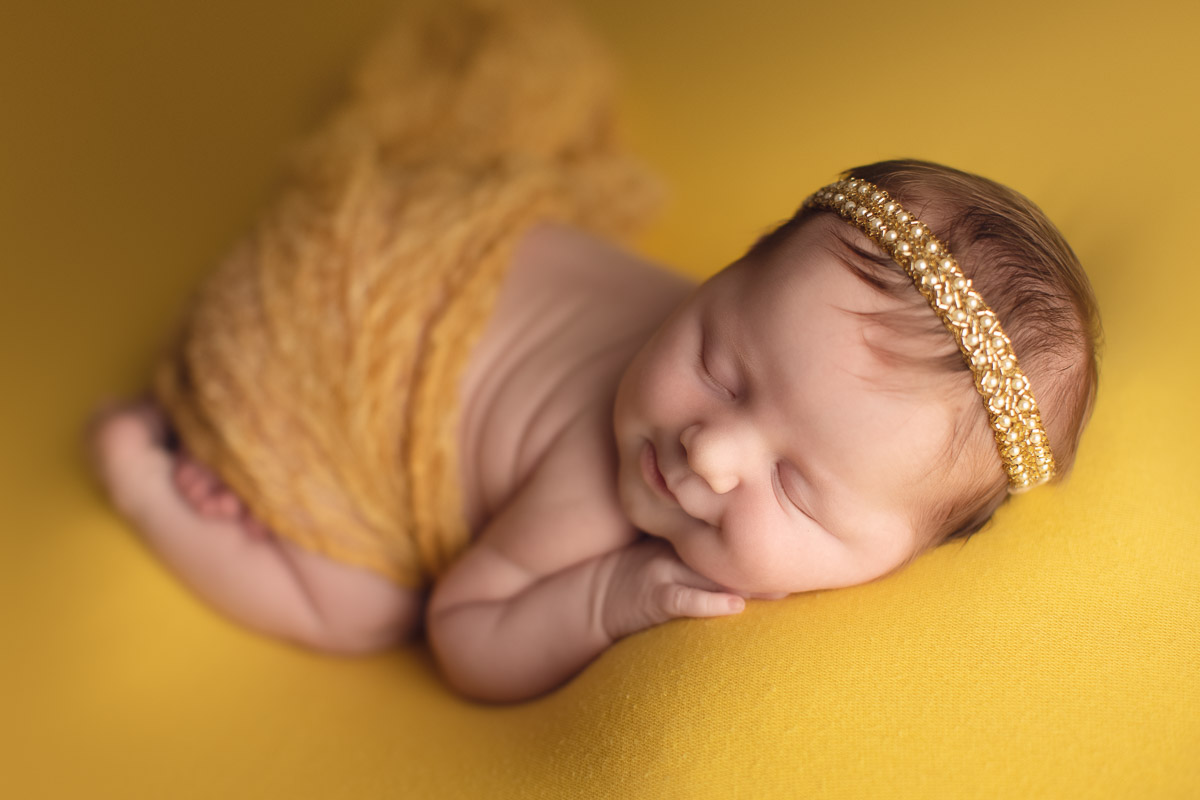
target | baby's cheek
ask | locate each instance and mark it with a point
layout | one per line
(752, 559)
(662, 382)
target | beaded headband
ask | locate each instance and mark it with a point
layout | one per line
(1012, 412)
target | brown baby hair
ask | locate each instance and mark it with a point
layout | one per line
(1026, 271)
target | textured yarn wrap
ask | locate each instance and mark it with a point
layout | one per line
(317, 371)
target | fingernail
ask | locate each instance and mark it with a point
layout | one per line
(736, 604)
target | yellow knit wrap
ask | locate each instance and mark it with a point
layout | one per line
(317, 371)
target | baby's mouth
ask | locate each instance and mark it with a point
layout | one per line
(653, 475)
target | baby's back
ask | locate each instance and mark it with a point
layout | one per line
(571, 314)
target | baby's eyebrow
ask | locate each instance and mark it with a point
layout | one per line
(714, 331)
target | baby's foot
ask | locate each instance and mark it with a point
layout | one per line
(129, 444)
(203, 490)
(209, 496)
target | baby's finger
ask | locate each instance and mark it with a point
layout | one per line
(678, 600)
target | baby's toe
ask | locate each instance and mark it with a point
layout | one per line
(227, 504)
(254, 528)
(184, 474)
(206, 505)
(187, 480)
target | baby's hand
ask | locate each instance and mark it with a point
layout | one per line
(647, 585)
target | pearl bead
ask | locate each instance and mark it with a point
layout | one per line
(1012, 410)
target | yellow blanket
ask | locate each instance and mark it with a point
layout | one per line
(317, 371)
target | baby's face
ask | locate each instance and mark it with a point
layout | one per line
(791, 457)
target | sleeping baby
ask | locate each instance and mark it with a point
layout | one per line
(431, 387)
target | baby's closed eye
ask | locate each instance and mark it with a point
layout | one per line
(781, 492)
(703, 359)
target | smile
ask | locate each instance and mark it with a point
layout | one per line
(653, 475)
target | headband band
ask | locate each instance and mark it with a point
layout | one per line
(1012, 412)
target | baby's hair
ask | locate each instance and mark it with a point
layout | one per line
(1026, 271)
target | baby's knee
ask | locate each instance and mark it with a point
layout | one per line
(357, 612)
(371, 630)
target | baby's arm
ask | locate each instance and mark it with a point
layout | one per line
(554, 580)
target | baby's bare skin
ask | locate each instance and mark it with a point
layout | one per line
(209, 497)
(265, 583)
(755, 435)
(742, 425)
(570, 315)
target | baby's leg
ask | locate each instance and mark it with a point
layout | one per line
(261, 581)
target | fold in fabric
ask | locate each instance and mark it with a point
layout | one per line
(317, 369)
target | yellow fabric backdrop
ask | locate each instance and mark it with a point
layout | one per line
(1055, 655)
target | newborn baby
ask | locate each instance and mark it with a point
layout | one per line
(635, 449)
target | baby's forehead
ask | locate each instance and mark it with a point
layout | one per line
(807, 294)
(806, 305)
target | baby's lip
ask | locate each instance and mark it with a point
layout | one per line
(652, 473)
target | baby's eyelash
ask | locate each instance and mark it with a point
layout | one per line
(777, 478)
(703, 367)
(712, 379)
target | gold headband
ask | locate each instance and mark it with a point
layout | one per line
(1012, 411)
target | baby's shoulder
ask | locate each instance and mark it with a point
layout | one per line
(574, 265)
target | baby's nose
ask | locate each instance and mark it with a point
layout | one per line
(712, 457)
(720, 483)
